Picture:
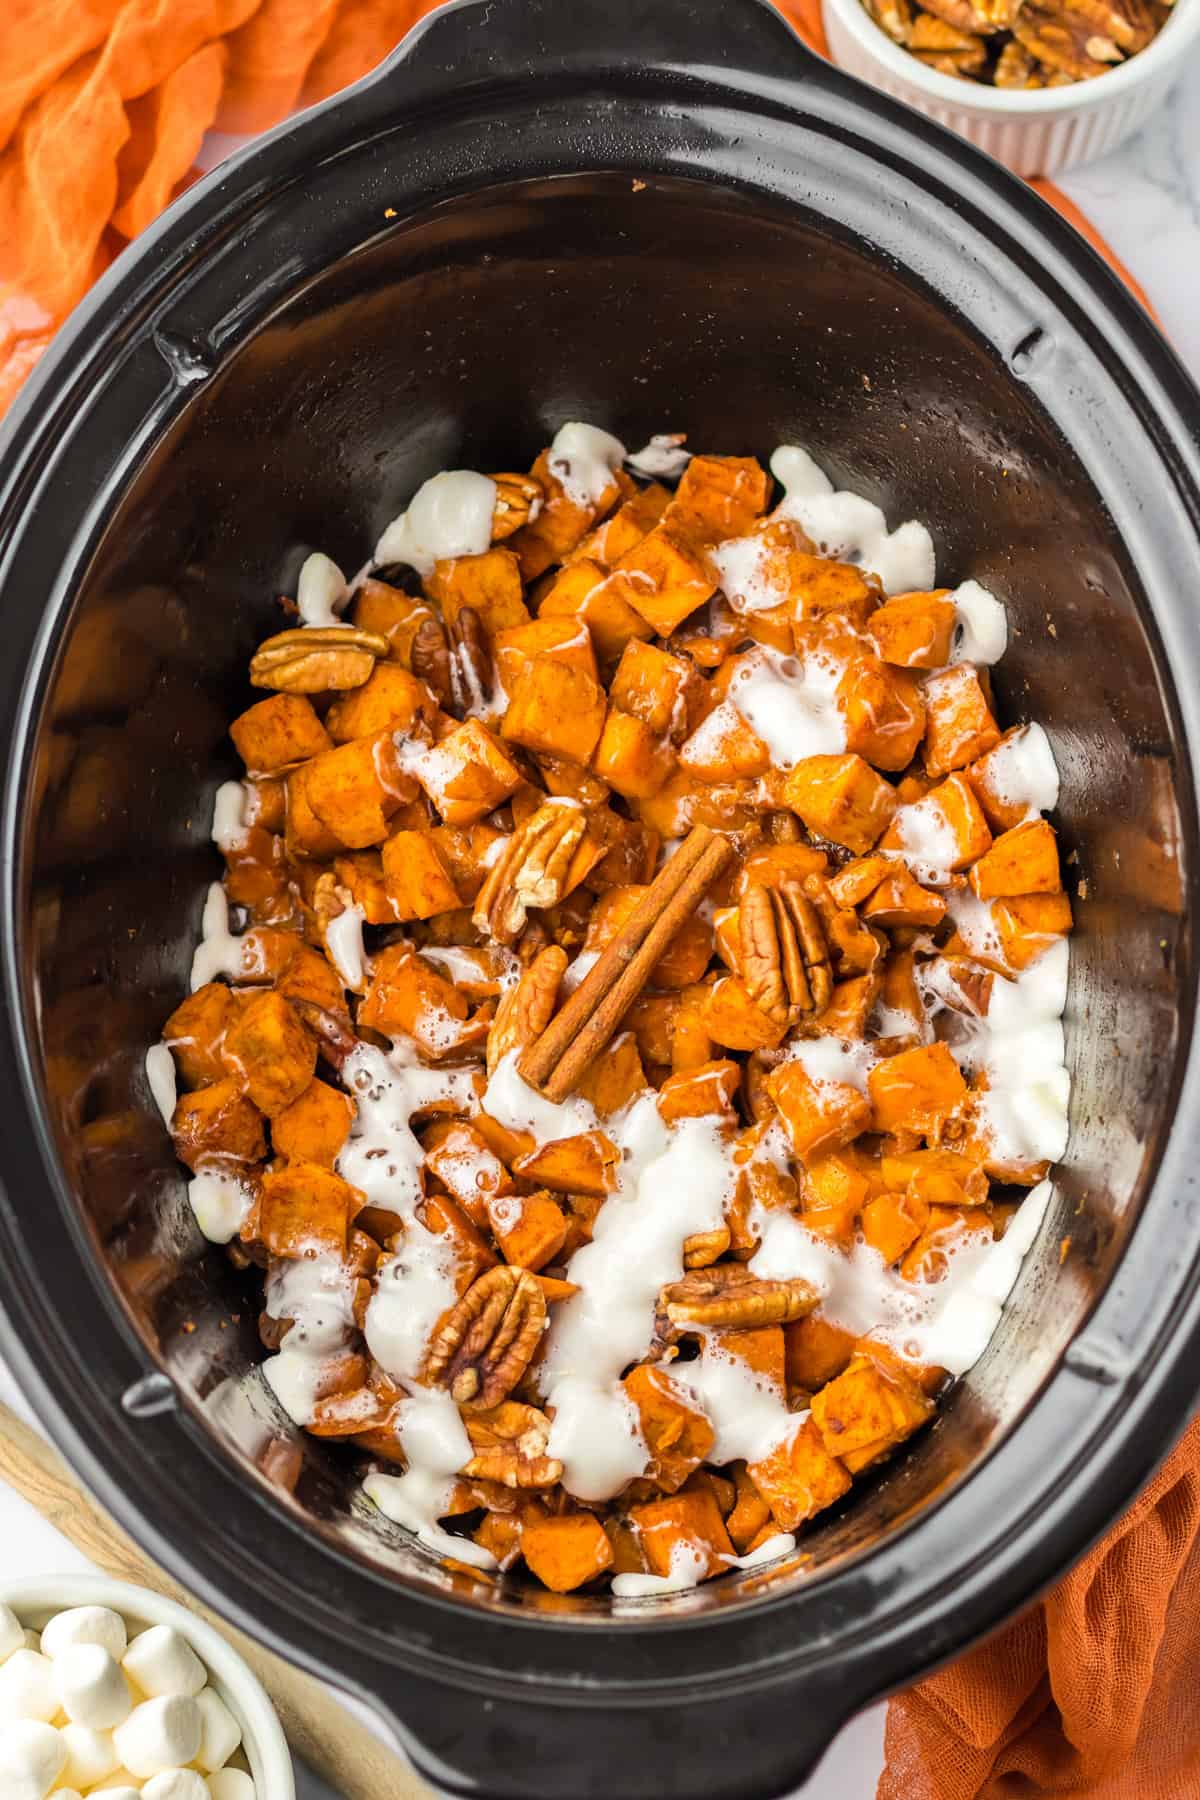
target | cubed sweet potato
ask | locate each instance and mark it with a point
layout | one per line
(607, 543)
(700, 1092)
(407, 995)
(583, 591)
(271, 1051)
(584, 1164)
(415, 877)
(892, 1223)
(945, 827)
(562, 639)
(865, 1413)
(561, 522)
(460, 1157)
(614, 1078)
(883, 710)
(303, 1208)
(841, 798)
(936, 1177)
(490, 584)
(392, 614)
(720, 497)
(468, 1251)
(731, 1016)
(218, 1123)
(1021, 861)
(689, 1520)
(467, 774)
(749, 1513)
(354, 789)
(277, 732)
(392, 699)
(685, 960)
(901, 900)
(916, 1090)
(631, 757)
(664, 578)
(656, 687)
(723, 747)
(959, 726)
(817, 1116)
(915, 631)
(758, 1348)
(314, 1128)
(305, 834)
(556, 708)
(800, 1477)
(567, 1551)
(769, 865)
(677, 1434)
(651, 1019)
(195, 1033)
(1029, 924)
(815, 1350)
(530, 1228)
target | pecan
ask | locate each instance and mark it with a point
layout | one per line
(941, 45)
(782, 953)
(430, 659)
(518, 499)
(471, 670)
(892, 16)
(509, 1444)
(1016, 68)
(755, 1071)
(979, 18)
(315, 658)
(531, 871)
(704, 1247)
(730, 1295)
(526, 1009)
(784, 827)
(483, 1345)
(1080, 40)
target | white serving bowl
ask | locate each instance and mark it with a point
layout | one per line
(1038, 133)
(35, 1600)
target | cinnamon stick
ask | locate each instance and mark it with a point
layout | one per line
(576, 1035)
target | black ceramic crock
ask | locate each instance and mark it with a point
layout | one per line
(663, 216)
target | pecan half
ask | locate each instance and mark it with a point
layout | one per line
(315, 658)
(704, 1247)
(1016, 68)
(483, 1346)
(526, 1009)
(509, 1444)
(892, 16)
(1084, 38)
(430, 658)
(531, 870)
(471, 666)
(730, 1295)
(933, 38)
(518, 499)
(980, 18)
(782, 953)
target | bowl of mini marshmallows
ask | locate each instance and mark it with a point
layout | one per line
(111, 1689)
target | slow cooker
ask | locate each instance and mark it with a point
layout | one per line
(666, 217)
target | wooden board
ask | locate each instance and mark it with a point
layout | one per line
(338, 1745)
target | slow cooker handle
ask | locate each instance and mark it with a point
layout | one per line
(735, 41)
(739, 1744)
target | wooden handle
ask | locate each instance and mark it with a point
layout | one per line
(338, 1745)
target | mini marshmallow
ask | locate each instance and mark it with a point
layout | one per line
(163, 1733)
(231, 1784)
(176, 1784)
(85, 1625)
(161, 1661)
(91, 1687)
(27, 1687)
(12, 1637)
(91, 1755)
(121, 1785)
(220, 1733)
(31, 1759)
(62, 1793)
(33, 1640)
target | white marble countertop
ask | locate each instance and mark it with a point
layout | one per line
(1145, 199)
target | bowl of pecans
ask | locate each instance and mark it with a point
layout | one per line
(1040, 84)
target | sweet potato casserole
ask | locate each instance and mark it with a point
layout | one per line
(627, 1035)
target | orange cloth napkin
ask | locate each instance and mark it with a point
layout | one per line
(103, 106)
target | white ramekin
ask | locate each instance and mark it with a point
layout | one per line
(266, 1748)
(1039, 133)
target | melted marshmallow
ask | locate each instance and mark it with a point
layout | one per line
(321, 591)
(160, 1073)
(583, 460)
(1022, 771)
(231, 821)
(221, 1203)
(748, 1414)
(981, 629)
(791, 703)
(450, 515)
(850, 527)
(1021, 1048)
(344, 942)
(828, 1061)
(383, 1157)
(927, 841)
(317, 1293)
(412, 1293)
(664, 457)
(435, 1445)
(218, 952)
(753, 578)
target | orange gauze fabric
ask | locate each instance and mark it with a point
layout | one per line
(1092, 1692)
